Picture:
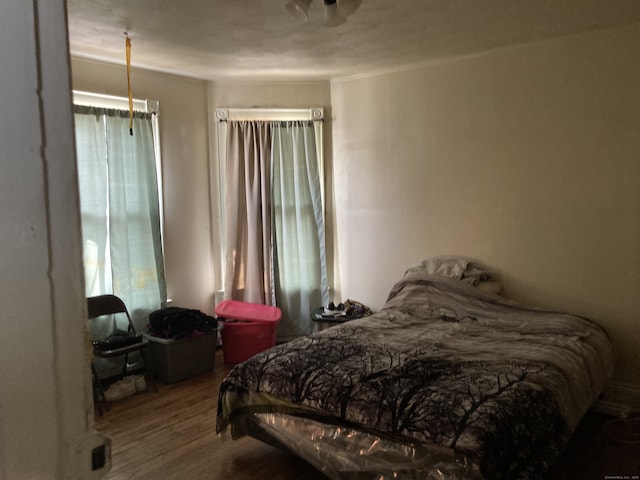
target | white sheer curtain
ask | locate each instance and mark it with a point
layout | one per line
(298, 219)
(120, 209)
(274, 222)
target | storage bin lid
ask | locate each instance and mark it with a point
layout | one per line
(254, 312)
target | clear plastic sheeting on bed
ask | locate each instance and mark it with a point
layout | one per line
(344, 453)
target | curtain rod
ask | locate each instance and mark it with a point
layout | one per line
(224, 114)
(224, 120)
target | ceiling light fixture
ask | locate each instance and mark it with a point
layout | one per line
(335, 11)
(332, 17)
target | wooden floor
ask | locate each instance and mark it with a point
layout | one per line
(170, 434)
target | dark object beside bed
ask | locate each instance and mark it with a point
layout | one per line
(446, 381)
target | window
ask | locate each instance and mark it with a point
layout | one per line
(120, 202)
(271, 199)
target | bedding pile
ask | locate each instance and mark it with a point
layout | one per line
(446, 381)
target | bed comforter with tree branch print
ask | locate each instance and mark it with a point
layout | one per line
(445, 365)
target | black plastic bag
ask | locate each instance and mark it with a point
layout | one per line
(178, 322)
(117, 339)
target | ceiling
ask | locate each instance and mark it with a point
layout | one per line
(260, 40)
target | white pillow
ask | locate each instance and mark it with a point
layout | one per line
(453, 267)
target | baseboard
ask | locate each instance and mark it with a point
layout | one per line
(621, 396)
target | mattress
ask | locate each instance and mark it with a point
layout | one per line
(445, 381)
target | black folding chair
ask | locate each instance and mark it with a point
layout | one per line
(122, 341)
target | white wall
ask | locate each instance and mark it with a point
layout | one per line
(185, 161)
(527, 159)
(46, 414)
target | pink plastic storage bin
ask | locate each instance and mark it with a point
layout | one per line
(247, 328)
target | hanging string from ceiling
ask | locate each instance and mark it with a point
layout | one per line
(128, 54)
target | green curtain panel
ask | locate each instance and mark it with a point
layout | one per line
(120, 209)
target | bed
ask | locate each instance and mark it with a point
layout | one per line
(446, 381)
